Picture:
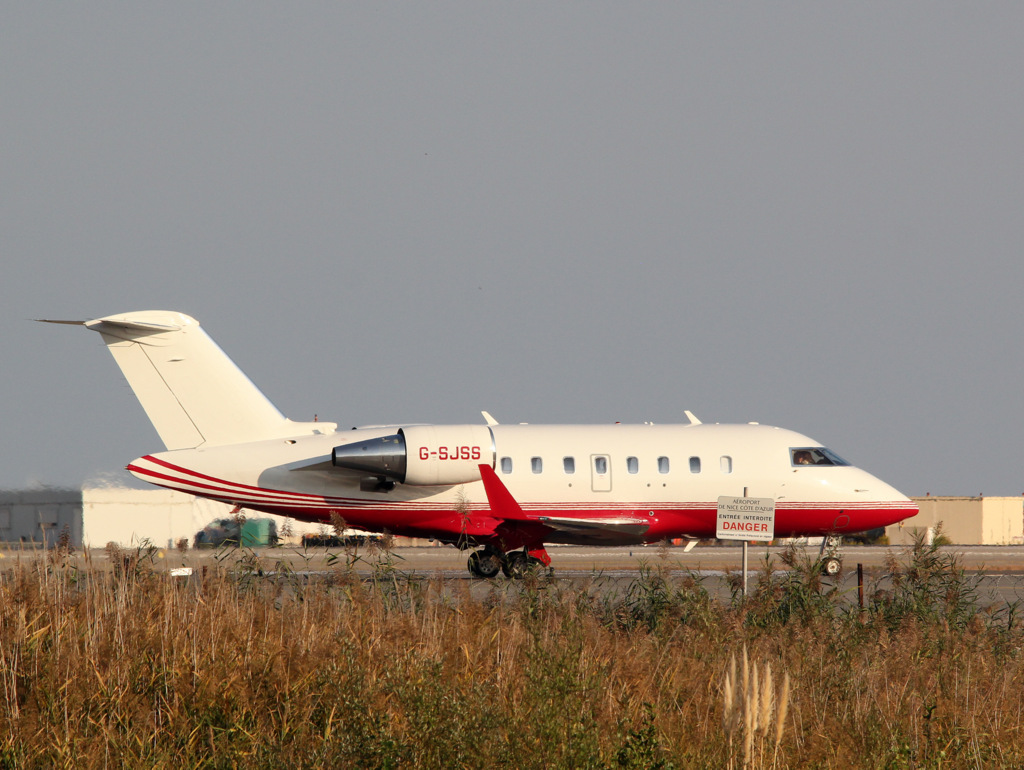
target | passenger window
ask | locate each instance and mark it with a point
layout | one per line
(662, 465)
(569, 464)
(694, 465)
(726, 464)
(536, 464)
(600, 465)
(632, 465)
(506, 464)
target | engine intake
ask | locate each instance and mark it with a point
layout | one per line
(422, 455)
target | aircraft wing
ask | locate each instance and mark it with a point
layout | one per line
(612, 529)
(465, 526)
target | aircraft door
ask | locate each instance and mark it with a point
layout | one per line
(600, 473)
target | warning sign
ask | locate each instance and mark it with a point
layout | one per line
(746, 518)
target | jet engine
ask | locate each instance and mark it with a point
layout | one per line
(422, 455)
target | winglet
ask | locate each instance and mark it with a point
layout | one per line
(500, 500)
(490, 420)
(689, 415)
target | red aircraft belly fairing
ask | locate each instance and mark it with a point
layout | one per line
(496, 487)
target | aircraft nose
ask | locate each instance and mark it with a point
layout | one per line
(889, 498)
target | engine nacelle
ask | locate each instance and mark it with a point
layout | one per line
(447, 454)
(422, 455)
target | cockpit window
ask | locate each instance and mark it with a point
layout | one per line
(815, 455)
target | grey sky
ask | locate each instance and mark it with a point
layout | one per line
(804, 214)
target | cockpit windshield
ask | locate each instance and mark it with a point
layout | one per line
(815, 455)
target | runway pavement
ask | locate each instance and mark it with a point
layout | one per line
(579, 560)
(999, 569)
(575, 560)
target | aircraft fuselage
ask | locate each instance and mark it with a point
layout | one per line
(659, 481)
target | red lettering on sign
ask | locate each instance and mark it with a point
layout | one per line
(744, 526)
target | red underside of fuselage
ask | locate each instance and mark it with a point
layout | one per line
(694, 522)
(415, 518)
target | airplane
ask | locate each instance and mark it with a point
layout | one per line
(502, 491)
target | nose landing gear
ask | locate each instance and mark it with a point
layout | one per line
(829, 556)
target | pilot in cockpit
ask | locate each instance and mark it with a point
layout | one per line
(803, 457)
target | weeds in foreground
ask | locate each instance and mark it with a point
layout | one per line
(657, 600)
(930, 586)
(116, 663)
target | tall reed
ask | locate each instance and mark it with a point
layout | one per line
(749, 709)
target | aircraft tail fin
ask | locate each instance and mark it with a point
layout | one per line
(192, 392)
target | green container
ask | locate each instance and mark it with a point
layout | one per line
(259, 532)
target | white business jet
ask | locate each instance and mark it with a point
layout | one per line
(503, 490)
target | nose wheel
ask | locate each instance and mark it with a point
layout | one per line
(830, 558)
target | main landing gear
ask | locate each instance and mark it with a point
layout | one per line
(829, 556)
(486, 562)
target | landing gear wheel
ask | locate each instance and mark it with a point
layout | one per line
(515, 565)
(830, 567)
(829, 556)
(484, 563)
(518, 565)
(535, 565)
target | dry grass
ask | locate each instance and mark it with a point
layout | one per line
(128, 667)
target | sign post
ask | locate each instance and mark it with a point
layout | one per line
(746, 518)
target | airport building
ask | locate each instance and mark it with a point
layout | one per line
(964, 521)
(95, 516)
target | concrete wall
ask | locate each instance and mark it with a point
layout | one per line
(38, 516)
(132, 517)
(965, 520)
(1003, 521)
